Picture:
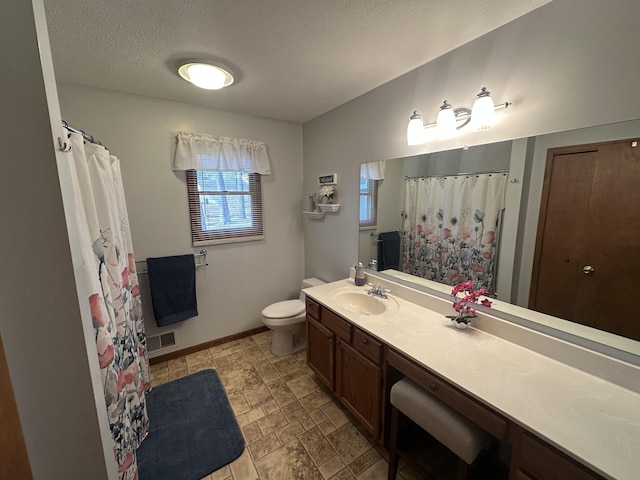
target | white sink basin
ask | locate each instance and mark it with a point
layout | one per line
(363, 304)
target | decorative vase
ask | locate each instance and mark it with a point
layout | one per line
(460, 325)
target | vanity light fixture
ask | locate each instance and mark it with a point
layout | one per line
(483, 111)
(446, 121)
(415, 130)
(209, 76)
(450, 119)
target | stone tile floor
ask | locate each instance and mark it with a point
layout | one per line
(294, 428)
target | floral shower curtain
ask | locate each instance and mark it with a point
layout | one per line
(114, 295)
(451, 226)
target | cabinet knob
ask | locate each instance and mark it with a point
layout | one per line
(364, 340)
(433, 387)
(588, 269)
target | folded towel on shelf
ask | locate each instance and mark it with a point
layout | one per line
(172, 281)
(389, 251)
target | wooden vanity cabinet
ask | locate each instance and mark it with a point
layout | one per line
(360, 371)
(359, 378)
(320, 346)
(534, 459)
(324, 330)
(347, 360)
(320, 351)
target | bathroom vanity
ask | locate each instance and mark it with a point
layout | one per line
(566, 412)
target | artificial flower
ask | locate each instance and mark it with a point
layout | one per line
(470, 296)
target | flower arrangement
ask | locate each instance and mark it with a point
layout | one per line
(461, 305)
(327, 192)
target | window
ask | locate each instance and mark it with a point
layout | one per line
(225, 207)
(368, 202)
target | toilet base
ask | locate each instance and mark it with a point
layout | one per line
(287, 342)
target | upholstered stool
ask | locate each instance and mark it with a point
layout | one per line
(460, 435)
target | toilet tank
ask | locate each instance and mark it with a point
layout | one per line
(309, 282)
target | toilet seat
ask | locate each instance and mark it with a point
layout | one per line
(285, 309)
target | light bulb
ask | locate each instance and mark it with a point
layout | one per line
(483, 111)
(446, 121)
(415, 130)
(203, 75)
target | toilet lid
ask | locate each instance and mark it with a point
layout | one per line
(286, 309)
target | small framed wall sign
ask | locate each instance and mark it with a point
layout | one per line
(330, 179)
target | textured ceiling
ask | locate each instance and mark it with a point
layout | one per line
(293, 59)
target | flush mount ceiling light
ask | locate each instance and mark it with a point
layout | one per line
(209, 76)
(450, 120)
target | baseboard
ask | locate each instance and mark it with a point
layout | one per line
(203, 346)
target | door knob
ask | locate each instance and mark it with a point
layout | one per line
(588, 269)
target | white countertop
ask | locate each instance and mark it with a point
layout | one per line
(588, 417)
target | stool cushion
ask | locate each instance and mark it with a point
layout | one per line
(454, 431)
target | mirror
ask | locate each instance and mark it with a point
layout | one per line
(526, 160)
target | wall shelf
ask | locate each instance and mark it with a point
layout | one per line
(314, 215)
(329, 207)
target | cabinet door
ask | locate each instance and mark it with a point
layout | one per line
(358, 386)
(533, 459)
(320, 351)
(520, 475)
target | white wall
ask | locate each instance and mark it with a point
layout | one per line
(566, 65)
(242, 278)
(41, 319)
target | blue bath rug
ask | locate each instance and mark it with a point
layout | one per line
(193, 430)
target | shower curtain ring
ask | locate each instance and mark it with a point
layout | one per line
(64, 146)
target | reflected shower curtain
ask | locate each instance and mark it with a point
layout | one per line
(451, 226)
(114, 295)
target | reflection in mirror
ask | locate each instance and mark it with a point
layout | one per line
(456, 238)
(526, 159)
(451, 226)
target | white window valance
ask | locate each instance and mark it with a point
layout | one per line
(372, 170)
(197, 151)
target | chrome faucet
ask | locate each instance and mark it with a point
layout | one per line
(378, 291)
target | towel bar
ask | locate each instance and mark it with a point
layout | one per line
(203, 253)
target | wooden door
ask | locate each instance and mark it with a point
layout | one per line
(14, 462)
(320, 351)
(358, 386)
(587, 255)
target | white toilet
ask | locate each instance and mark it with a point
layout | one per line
(286, 319)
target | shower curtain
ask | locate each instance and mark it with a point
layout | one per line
(114, 295)
(451, 226)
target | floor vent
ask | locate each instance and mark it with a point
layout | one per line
(161, 341)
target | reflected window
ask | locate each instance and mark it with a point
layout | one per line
(368, 202)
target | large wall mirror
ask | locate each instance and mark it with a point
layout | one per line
(524, 161)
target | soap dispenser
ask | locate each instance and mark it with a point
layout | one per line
(361, 278)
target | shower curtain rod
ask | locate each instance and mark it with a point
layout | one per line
(86, 136)
(437, 175)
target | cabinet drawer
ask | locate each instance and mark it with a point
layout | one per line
(367, 345)
(459, 401)
(336, 324)
(313, 308)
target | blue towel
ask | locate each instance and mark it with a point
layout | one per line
(173, 288)
(389, 251)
